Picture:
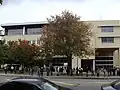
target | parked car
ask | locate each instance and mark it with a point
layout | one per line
(30, 83)
(111, 86)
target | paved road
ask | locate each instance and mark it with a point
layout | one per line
(77, 84)
(84, 84)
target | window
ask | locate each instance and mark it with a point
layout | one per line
(48, 86)
(29, 42)
(33, 41)
(34, 31)
(38, 42)
(15, 32)
(107, 29)
(107, 39)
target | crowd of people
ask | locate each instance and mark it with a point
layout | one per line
(60, 70)
(78, 71)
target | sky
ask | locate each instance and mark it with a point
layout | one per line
(17, 11)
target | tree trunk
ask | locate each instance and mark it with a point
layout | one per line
(69, 58)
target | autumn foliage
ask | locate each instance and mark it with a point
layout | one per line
(21, 52)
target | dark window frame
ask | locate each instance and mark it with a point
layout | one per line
(107, 29)
(107, 39)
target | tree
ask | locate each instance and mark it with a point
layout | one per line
(67, 35)
(1, 1)
(3, 51)
(21, 52)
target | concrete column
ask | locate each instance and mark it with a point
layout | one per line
(79, 62)
(119, 57)
(36, 42)
(23, 30)
(76, 62)
(116, 58)
(94, 65)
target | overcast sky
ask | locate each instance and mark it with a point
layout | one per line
(15, 11)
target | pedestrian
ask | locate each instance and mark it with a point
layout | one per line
(48, 71)
(98, 72)
(32, 71)
(92, 72)
(104, 72)
(41, 71)
(5, 69)
(77, 71)
(87, 71)
(68, 71)
(58, 71)
(38, 72)
(12, 69)
(113, 71)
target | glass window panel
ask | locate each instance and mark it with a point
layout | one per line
(107, 29)
(107, 39)
(33, 41)
(15, 32)
(29, 42)
(34, 31)
(38, 42)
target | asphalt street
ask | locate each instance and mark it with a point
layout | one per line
(83, 84)
(76, 84)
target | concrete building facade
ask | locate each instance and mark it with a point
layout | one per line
(105, 40)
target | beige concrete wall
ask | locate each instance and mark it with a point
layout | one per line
(23, 37)
(97, 34)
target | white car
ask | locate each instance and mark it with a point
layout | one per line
(111, 86)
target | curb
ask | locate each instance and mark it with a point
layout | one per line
(14, 75)
(60, 77)
(82, 77)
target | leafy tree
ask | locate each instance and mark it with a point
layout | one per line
(21, 52)
(3, 51)
(1, 1)
(67, 35)
(12, 46)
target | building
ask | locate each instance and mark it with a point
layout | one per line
(24, 31)
(105, 40)
(1, 34)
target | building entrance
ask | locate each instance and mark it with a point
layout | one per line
(87, 63)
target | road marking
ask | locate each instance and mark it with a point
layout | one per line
(94, 82)
(67, 84)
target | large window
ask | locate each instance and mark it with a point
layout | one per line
(34, 31)
(104, 61)
(107, 39)
(15, 32)
(107, 29)
(38, 42)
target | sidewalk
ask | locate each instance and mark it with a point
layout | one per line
(62, 77)
(82, 77)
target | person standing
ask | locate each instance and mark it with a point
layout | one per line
(12, 69)
(98, 72)
(38, 72)
(41, 71)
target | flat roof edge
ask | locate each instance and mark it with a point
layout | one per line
(24, 23)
